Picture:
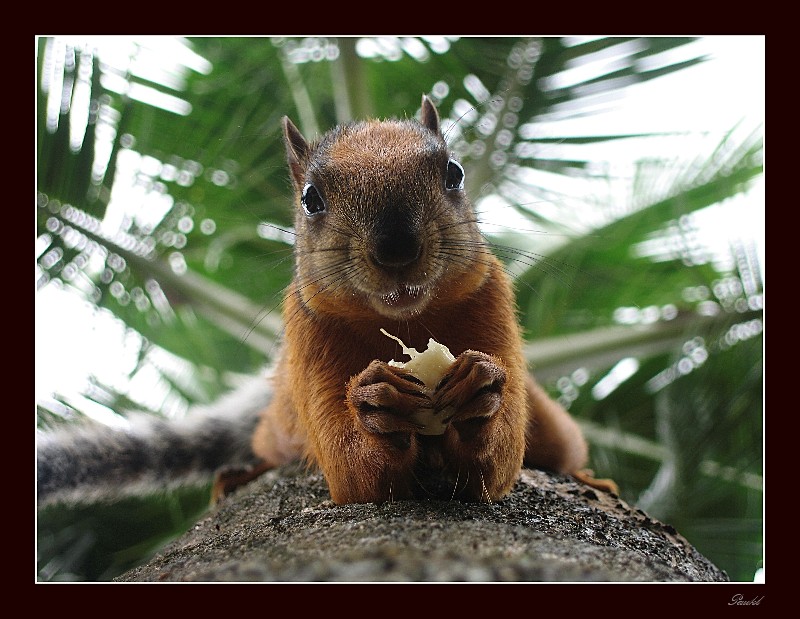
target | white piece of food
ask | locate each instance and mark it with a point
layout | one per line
(429, 366)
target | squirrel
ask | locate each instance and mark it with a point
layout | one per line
(386, 237)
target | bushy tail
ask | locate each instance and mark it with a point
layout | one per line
(93, 462)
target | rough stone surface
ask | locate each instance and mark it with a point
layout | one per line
(283, 527)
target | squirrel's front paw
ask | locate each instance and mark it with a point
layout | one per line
(386, 399)
(471, 389)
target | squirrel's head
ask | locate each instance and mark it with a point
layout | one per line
(382, 218)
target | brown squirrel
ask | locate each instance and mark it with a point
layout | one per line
(387, 238)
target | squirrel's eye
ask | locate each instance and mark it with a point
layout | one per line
(455, 175)
(311, 200)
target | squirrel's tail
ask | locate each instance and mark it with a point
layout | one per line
(93, 462)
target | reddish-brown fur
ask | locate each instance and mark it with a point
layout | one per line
(337, 403)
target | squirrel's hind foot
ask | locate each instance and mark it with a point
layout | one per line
(586, 476)
(230, 478)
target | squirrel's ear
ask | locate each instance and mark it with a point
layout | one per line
(430, 117)
(296, 151)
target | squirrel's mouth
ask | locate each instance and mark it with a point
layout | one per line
(405, 298)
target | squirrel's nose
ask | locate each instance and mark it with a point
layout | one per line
(396, 249)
